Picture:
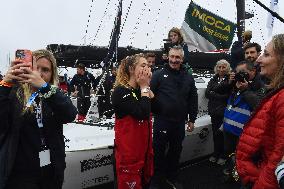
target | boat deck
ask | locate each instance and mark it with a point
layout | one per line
(201, 175)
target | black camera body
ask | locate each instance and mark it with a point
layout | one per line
(241, 76)
(167, 46)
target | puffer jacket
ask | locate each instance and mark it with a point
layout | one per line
(261, 146)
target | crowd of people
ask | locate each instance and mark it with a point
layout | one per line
(153, 107)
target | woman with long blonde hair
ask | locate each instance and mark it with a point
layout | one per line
(33, 111)
(133, 128)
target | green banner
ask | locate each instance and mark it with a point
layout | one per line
(215, 29)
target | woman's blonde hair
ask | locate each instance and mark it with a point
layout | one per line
(178, 32)
(123, 72)
(278, 48)
(223, 61)
(25, 90)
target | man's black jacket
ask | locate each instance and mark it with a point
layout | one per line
(175, 95)
(84, 83)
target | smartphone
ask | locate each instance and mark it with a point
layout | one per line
(24, 55)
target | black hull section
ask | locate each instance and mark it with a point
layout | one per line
(92, 56)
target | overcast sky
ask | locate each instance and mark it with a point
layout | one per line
(33, 24)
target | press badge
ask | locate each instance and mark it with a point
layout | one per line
(44, 158)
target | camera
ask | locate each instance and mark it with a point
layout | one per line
(241, 76)
(167, 45)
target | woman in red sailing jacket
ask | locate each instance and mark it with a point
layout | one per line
(133, 127)
(261, 145)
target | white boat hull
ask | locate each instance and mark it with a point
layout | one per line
(89, 148)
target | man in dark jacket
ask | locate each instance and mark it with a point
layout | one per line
(175, 104)
(81, 85)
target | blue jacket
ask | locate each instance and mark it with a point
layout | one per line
(237, 113)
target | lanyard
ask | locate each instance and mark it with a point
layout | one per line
(38, 114)
(32, 99)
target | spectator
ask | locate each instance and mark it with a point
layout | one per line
(252, 52)
(261, 146)
(133, 127)
(175, 104)
(33, 111)
(175, 38)
(63, 84)
(246, 95)
(237, 51)
(218, 93)
(81, 85)
(151, 59)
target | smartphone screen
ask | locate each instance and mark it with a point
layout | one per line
(24, 55)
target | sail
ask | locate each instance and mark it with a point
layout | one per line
(205, 31)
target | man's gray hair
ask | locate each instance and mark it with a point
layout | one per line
(177, 48)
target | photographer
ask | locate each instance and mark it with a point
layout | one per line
(33, 111)
(246, 94)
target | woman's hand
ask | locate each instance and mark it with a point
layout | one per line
(32, 77)
(144, 77)
(12, 75)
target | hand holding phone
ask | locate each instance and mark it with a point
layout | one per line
(24, 55)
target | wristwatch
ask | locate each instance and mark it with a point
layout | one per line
(145, 90)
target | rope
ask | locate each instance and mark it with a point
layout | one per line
(126, 15)
(135, 28)
(88, 22)
(99, 28)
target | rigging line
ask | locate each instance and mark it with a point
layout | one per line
(274, 14)
(126, 15)
(168, 21)
(88, 22)
(135, 28)
(147, 33)
(175, 13)
(250, 10)
(260, 27)
(101, 21)
(155, 23)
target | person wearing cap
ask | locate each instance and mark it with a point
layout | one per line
(81, 85)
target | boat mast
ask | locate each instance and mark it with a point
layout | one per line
(240, 18)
